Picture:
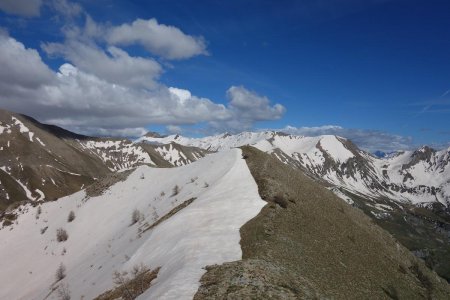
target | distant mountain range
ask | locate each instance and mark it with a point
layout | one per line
(420, 177)
(255, 213)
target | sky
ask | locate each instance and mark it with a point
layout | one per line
(374, 71)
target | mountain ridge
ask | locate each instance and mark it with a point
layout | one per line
(420, 176)
(40, 162)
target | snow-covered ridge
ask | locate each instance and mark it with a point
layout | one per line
(118, 155)
(101, 239)
(421, 176)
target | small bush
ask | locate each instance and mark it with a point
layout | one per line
(136, 216)
(60, 272)
(175, 190)
(38, 212)
(43, 230)
(280, 200)
(61, 235)
(7, 223)
(71, 216)
(206, 185)
(63, 292)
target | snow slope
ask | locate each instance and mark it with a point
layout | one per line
(101, 239)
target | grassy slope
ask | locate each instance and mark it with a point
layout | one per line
(317, 246)
(419, 229)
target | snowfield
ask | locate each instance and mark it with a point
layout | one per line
(101, 239)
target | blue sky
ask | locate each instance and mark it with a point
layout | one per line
(377, 71)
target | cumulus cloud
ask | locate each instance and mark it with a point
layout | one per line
(87, 103)
(246, 108)
(173, 129)
(87, 100)
(115, 65)
(84, 47)
(165, 41)
(249, 105)
(104, 90)
(369, 140)
(21, 67)
(24, 8)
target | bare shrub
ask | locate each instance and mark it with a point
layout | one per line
(175, 190)
(206, 185)
(136, 216)
(71, 216)
(63, 292)
(43, 230)
(60, 272)
(61, 235)
(121, 279)
(38, 212)
(7, 223)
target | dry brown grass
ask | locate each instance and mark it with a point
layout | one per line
(129, 285)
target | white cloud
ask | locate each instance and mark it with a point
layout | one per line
(162, 40)
(121, 132)
(25, 8)
(247, 107)
(115, 65)
(21, 67)
(112, 92)
(183, 95)
(174, 129)
(66, 8)
(370, 140)
(82, 48)
(84, 102)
